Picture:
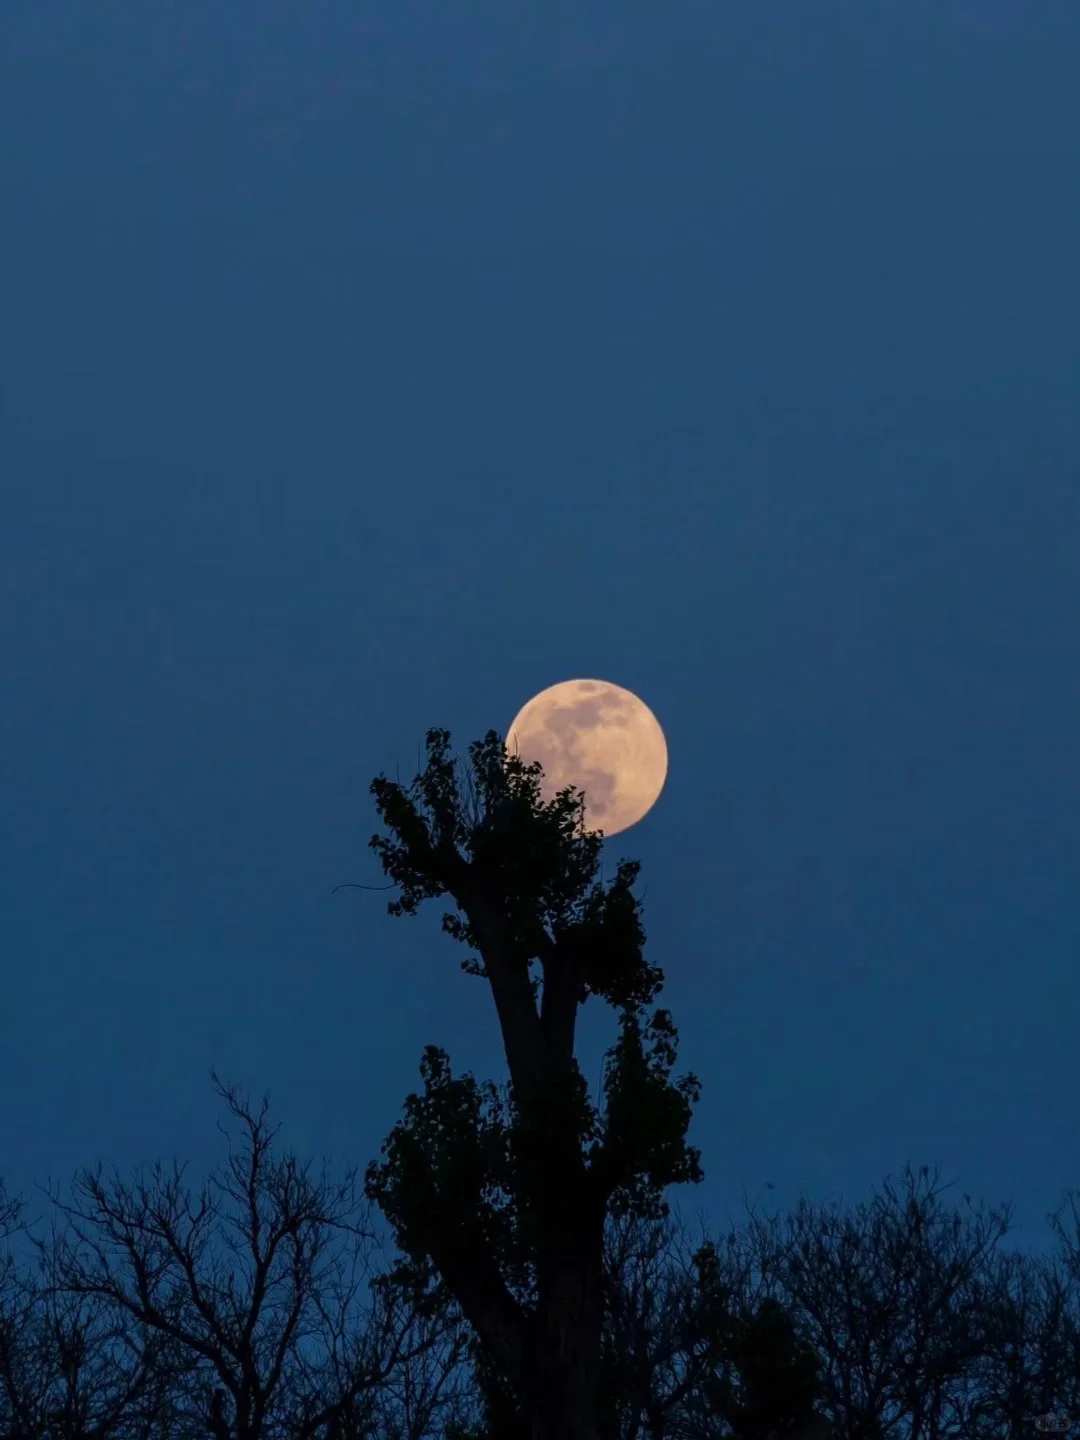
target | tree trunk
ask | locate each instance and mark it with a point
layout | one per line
(566, 1349)
(562, 1407)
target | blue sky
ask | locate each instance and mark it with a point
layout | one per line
(366, 368)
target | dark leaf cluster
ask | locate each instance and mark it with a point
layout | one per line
(484, 833)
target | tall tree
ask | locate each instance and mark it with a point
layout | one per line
(507, 1193)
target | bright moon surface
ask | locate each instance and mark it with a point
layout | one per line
(599, 738)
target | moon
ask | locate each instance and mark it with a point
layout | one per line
(599, 738)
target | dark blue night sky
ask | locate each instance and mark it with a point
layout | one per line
(370, 367)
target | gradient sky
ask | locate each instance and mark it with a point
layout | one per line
(368, 367)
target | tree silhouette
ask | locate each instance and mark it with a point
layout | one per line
(899, 1320)
(236, 1313)
(924, 1327)
(507, 1194)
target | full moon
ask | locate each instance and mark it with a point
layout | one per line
(602, 740)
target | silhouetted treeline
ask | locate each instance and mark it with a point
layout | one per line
(538, 1287)
(262, 1306)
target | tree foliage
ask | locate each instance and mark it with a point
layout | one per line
(507, 1194)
